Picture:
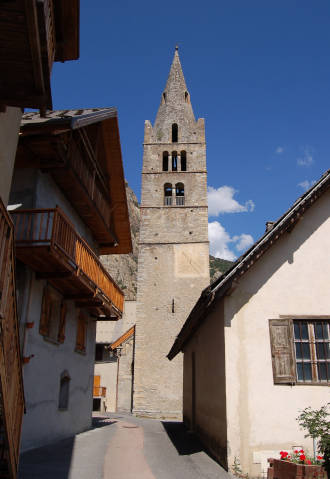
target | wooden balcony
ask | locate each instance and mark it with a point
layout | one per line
(81, 151)
(12, 396)
(99, 391)
(48, 243)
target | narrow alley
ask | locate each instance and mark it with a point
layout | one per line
(125, 447)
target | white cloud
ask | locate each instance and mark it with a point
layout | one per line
(221, 200)
(305, 185)
(306, 159)
(279, 150)
(243, 241)
(221, 242)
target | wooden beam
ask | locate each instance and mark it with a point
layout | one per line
(95, 303)
(53, 275)
(107, 318)
(33, 31)
(78, 297)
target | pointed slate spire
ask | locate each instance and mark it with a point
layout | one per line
(175, 106)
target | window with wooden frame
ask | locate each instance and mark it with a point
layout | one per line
(53, 315)
(82, 323)
(300, 350)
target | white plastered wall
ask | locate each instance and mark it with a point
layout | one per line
(292, 278)
(43, 422)
(108, 332)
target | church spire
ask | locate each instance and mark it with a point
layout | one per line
(175, 106)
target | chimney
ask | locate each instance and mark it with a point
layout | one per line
(269, 225)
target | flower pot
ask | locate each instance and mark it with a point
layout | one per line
(280, 469)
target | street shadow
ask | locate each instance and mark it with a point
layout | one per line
(186, 443)
(101, 422)
(51, 462)
(54, 461)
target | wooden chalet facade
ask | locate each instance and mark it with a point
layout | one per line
(70, 199)
(33, 34)
(11, 383)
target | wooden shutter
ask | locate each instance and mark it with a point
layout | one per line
(61, 328)
(45, 313)
(97, 382)
(281, 342)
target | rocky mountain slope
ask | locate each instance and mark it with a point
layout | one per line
(123, 268)
(218, 266)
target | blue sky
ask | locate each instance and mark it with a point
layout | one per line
(257, 71)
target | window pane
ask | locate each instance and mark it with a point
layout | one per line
(318, 330)
(306, 351)
(298, 351)
(320, 350)
(308, 371)
(304, 331)
(300, 374)
(296, 330)
(322, 371)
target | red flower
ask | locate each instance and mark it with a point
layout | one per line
(302, 457)
(319, 458)
(308, 462)
(296, 451)
(302, 451)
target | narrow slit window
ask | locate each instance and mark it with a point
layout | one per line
(63, 401)
(183, 161)
(174, 133)
(174, 161)
(164, 97)
(165, 161)
(186, 96)
(167, 194)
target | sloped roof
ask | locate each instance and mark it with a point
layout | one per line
(124, 337)
(219, 287)
(76, 118)
(58, 122)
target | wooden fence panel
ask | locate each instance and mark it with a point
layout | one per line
(11, 383)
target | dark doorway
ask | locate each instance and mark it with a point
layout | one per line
(96, 404)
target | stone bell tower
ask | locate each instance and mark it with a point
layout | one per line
(173, 263)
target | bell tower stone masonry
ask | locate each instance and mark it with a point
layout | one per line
(173, 263)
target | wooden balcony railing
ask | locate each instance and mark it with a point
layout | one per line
(48, 242)
(12, 396)
(99, 391)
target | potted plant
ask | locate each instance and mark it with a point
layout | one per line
(317, 424)
(298, 464)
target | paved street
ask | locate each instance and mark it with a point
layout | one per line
(123, 447)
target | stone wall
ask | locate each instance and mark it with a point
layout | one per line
(173, 262)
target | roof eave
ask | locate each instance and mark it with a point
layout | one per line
(216, 290)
